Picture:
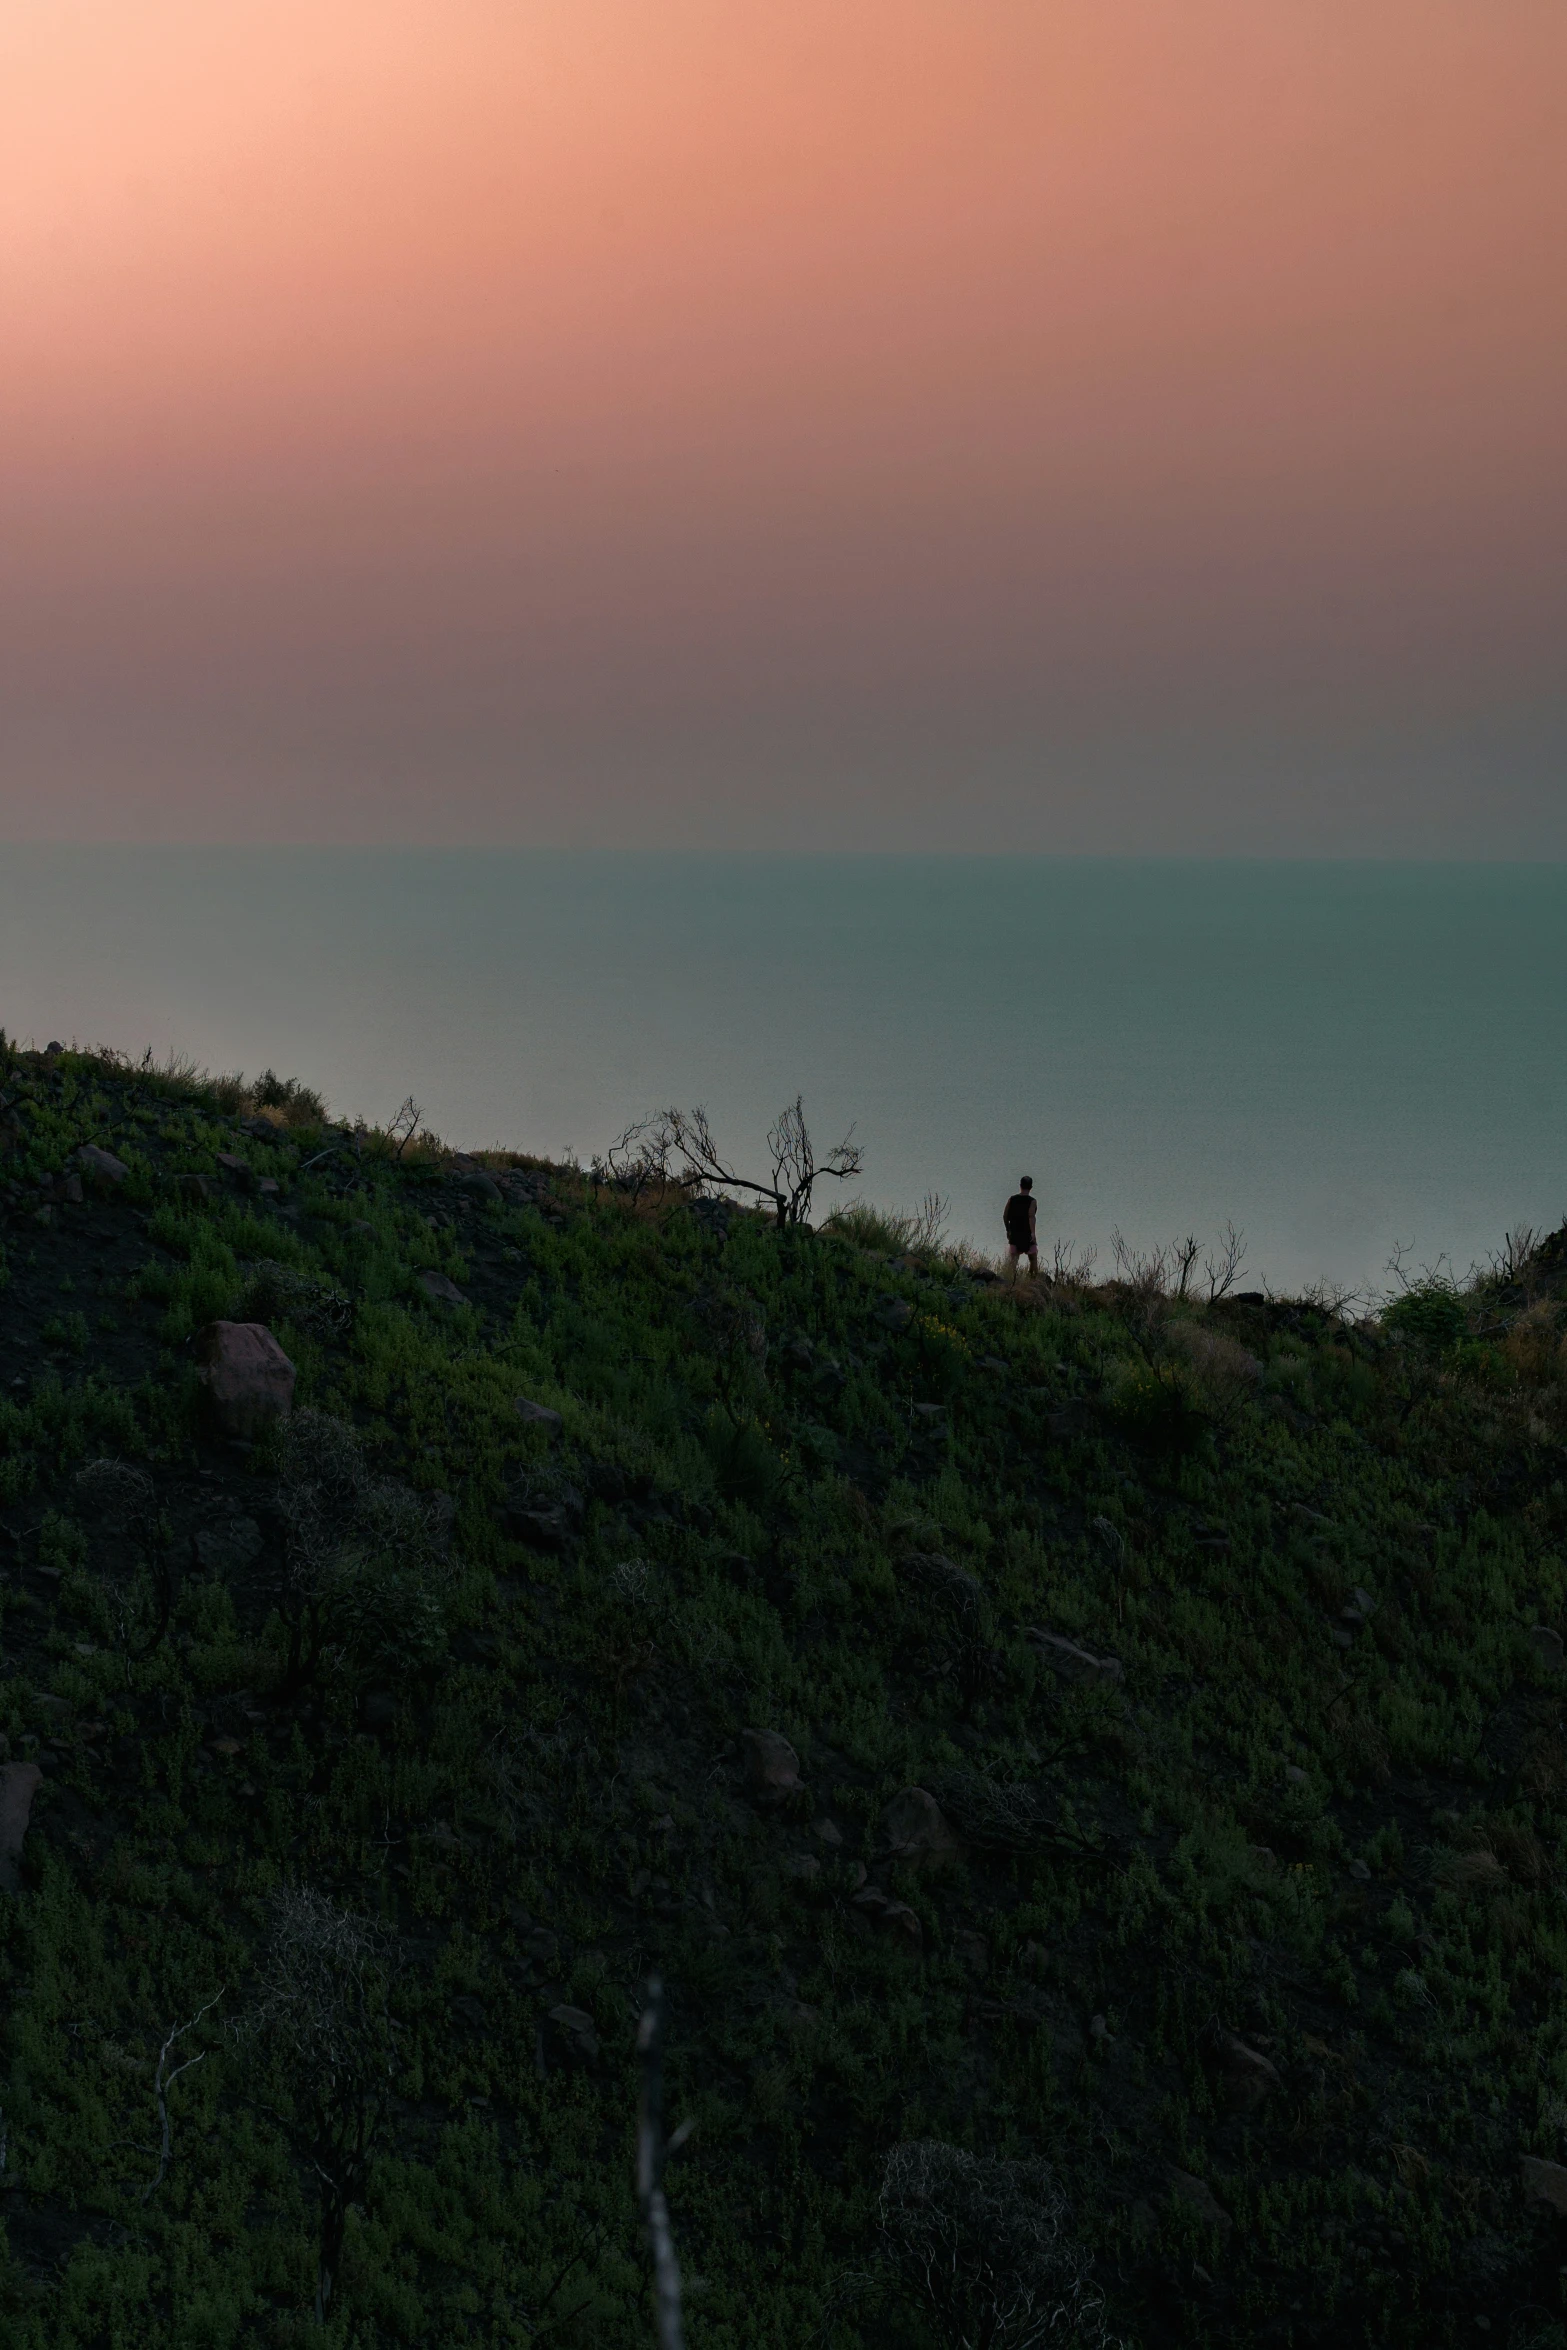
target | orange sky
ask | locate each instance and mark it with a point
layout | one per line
(1088, 423)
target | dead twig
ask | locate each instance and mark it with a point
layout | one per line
(650, 2171)
(163, 2082)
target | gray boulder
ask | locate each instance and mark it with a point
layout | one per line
(248, 1378)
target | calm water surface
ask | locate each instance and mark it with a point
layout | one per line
(1339, 1057)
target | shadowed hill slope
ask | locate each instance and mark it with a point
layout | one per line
(1059, 1726)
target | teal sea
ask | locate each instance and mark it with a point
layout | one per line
(1342, 1058)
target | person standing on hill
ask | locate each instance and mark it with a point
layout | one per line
(1021, 1218)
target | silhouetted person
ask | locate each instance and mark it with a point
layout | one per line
(1020, 1216)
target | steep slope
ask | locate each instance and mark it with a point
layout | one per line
(1063, 1725)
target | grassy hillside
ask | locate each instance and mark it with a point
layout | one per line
(390, 1753)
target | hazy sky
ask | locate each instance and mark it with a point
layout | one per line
(946, 423)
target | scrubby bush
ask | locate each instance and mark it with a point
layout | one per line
(366, 1566)
(1431, 1314)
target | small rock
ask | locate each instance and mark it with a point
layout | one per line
(1295, 1776)
(803, 1868)
(540, 1947)
(1544, 2182)
(229, 1746)
(1078, 1664)
(1195, 2197)
(478, 1185)
(268, 1187)
(1359, 1871)
(895, 1313)
(539, 1415)
(248, 1378)
(827, 1832)
(901, 1925)
(917, 1831)
(19, 1783)
(882, 1915)
(232, 1164)
(1547, 1646)
(575, 2039)
(1246, 2073)
(1098, 2030)
(439, 1289)
(772, 1768)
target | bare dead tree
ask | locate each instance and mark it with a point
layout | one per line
(164, 2080)
(650, 2171)
(637, 1161)
(796, 1170)
(1513, 1265)
(321, 2025)
(688, 1151)
(1182, 1257)
(1223, 1265)
(404, 1126)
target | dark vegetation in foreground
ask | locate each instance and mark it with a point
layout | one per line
(1088, 1766)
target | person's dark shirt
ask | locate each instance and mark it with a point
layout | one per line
(1019, 1219)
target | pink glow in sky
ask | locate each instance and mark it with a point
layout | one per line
(1138, 424)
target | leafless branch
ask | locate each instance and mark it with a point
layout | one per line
(1183, 1255)
(163, 2082)
(1223, 1264)
(404, 1126)
(1071, 1265)
(686, 1151)
(983, 2243)
(650, 2171)
(322, 2018)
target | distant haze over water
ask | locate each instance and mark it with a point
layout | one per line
(1340, 1057)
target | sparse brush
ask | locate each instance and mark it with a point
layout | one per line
(130, 1553)
(278, 1292)
(983, 2245)
(365, 1557)
(1227, 1374)
(892, 1232)
(321, 2019)
(1002, 1816)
